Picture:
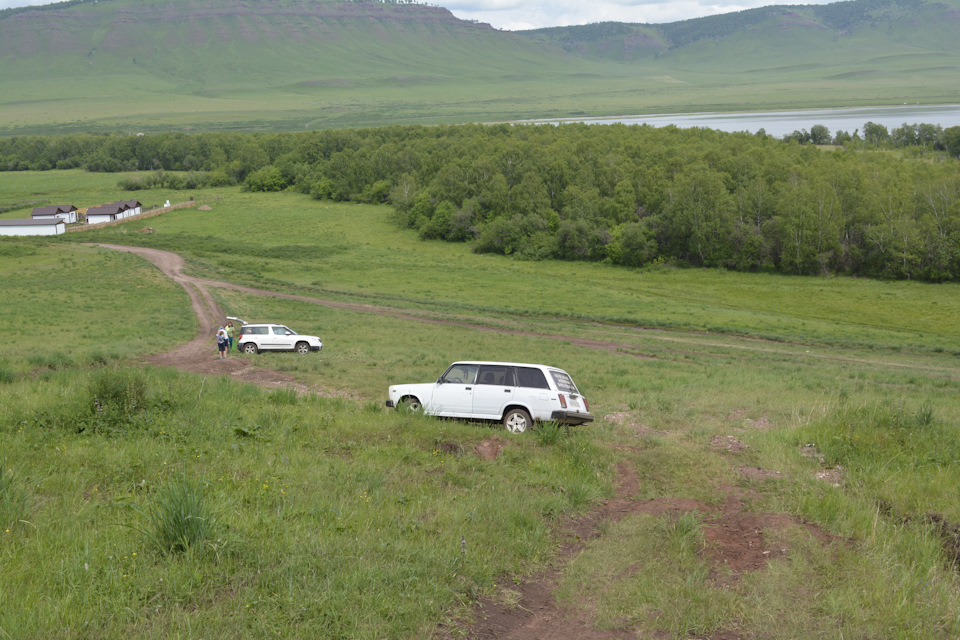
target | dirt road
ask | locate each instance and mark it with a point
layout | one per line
(736, 536)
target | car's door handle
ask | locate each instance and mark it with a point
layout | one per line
(507, 390)
(468, 388)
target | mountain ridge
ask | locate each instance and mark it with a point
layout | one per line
(148, 65)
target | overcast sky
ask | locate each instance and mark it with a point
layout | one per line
(532, 14)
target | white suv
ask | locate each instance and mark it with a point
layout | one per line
(513, 393)
(254, 338)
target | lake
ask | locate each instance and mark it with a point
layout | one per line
(780, 123)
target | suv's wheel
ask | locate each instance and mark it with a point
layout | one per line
(250, 348)
(517, 420)
(302, 347)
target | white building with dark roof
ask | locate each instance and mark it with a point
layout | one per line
(42, 226)
(66, 212)
(105, 213)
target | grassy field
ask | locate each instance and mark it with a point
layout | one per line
(327, 516)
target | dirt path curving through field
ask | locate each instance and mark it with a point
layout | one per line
(199, 355)
(737, 538)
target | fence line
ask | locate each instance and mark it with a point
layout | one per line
(146, 214)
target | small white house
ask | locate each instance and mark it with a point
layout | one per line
(128, 208)
(66, 212)
(134, 208)
(45, 226)
(105, 213)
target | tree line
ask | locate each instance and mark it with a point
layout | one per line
(630, 195)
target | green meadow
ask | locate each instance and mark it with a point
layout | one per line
(326, 515)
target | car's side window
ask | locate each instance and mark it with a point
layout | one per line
(279, 331)
(461, 374)
(258, 331)
(497, 375)
(530, 377)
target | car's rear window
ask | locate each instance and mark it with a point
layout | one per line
(255, 331)
(496, 374)
(530, 377)
(564, 382)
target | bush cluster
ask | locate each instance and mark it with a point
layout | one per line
(630, 195)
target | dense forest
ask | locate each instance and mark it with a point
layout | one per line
(886, 205)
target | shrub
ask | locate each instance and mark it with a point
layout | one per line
(268, 178)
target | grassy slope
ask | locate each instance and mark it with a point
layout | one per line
(293, 64)
(336, 519)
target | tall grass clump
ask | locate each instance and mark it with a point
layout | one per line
(7, 374)
(117, 396)
(55, 361)
(179, 517)
(684, 533)
(549, 433)
(13, 500)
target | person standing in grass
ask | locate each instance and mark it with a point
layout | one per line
(222, 342)
(230, 331)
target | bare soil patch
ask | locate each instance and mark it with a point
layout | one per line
(727, 443)
(491, 448)
(756, 473)
(737, 541)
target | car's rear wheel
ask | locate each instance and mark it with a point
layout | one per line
(517, 420)
(302, 347)
(409, 405)
(250, 348)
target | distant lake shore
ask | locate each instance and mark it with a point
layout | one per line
(780, 123)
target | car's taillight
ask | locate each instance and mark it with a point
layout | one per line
(239, 337)
(563, 400)
(586, 407)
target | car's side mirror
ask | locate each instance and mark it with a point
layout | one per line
(440, 380)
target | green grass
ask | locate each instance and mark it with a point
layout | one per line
(357, 253)
(332, 517)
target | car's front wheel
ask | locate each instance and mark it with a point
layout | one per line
(517, 420)
(409, 405)
(302, 347)
(250, 348)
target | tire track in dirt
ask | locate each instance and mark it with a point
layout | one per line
(194, 356)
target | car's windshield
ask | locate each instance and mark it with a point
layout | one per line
(460, 374)
(564, 382)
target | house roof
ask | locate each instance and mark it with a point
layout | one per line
(105, 209)
(53, 209)
(127, 204)
(29, 222)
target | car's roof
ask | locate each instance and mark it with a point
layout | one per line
(508, 364)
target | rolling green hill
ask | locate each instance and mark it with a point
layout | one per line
(153, 65)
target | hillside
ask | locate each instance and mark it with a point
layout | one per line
(780, 31)
(155, 65)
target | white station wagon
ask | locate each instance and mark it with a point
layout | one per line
(513, 393)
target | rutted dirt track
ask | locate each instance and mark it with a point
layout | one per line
(736, 538)
(199, 355)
